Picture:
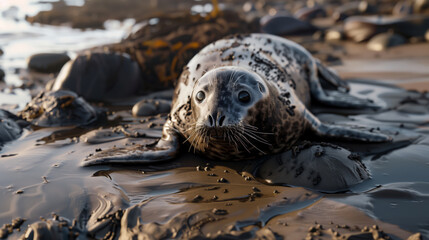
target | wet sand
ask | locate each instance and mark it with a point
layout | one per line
(185, 198)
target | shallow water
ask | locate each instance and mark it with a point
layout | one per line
(40, 172)
(19, 40)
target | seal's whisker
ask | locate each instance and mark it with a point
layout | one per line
(257, 138)
(247, 140)
(193, 139)
(190, 135)
(206, 138)
(237, 137)
(200, 140)
(233, 140)
(258, 132)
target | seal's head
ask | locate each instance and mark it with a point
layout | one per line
(222, 100)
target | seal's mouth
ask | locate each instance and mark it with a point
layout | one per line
(240, 137)
(216, 133)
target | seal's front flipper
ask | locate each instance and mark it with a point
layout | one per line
(165, 149)
(344, 132)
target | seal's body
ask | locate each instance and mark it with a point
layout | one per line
(244, 96)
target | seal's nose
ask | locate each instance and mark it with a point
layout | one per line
(217, 121)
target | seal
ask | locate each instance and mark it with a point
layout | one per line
(246, 96)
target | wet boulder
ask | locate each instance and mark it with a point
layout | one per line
(47, 62)
(61, 108)
(10, 126)
(100, 76)
(284, 25)
(320, 166)
(383, 41)
(363, 28)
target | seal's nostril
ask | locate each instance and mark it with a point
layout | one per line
(211, 120)
(221, 119)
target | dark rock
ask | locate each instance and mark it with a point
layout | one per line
(352, 9)
(47, 62)
(309, 13)
(1, 52)
(284, 25)
(151, 107)
(383, 41)
(10, 128)
(100, 76)
(363, 28)
(61, 108)
(2, 75)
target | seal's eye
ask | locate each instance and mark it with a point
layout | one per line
(244, 97)
(200, 96)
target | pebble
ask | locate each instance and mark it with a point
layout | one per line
(151, 107)
(197, 198)
(219, 211)
(334, 34)
(383, 41)
(222, 180)
(47, 62)
(283, 25)
(427, 35)
(256, 189)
